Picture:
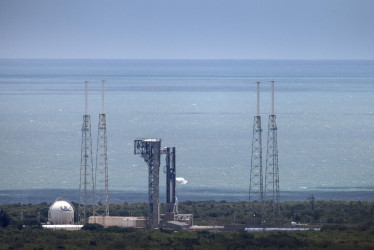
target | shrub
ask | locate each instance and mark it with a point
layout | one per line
(117, 229)
(333, 228)
(167, 231)
(4, 218)
(93, 227)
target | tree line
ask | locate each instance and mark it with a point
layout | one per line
(345, 225)
(350, 213)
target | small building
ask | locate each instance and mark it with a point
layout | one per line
(186, 218)
(177, 226)
(120, 221)
(207, 228)
(63, 227)
(266, 229)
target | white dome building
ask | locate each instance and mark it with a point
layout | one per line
(61, 212)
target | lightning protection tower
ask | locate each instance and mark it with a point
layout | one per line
(271, 192)
(256, 178)
(86, 183)
(150, 151)
(101, 171)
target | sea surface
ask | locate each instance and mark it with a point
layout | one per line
(204, 108)
(37, 196)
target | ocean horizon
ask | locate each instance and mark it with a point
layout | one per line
(37, 196)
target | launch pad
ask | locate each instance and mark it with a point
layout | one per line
(150, 150)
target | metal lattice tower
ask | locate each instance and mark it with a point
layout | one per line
(256, 178)
(86, 183)
(271, 192)
(101, 171)
(150, 151)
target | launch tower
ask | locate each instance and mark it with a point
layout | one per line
(150, 151)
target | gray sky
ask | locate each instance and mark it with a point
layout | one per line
(168, 29)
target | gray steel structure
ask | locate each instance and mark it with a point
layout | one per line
(86, 180)
(271, 192)
(170, 178)
(256, 176)
(101, 171)
(150, 151)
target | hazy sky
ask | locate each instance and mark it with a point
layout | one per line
(241, 29)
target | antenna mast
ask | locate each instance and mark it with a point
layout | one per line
(272, 97)
(102, 97)
(258, 98)
(85, 98)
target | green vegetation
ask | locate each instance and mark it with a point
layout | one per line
(318, 212)
(4, 218)
(346, 225)
(352, 213)
(28, 238)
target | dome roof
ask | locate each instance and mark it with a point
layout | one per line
(61, 212)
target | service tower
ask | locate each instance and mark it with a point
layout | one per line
(150, 151)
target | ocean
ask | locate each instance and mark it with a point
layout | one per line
(204, 108)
